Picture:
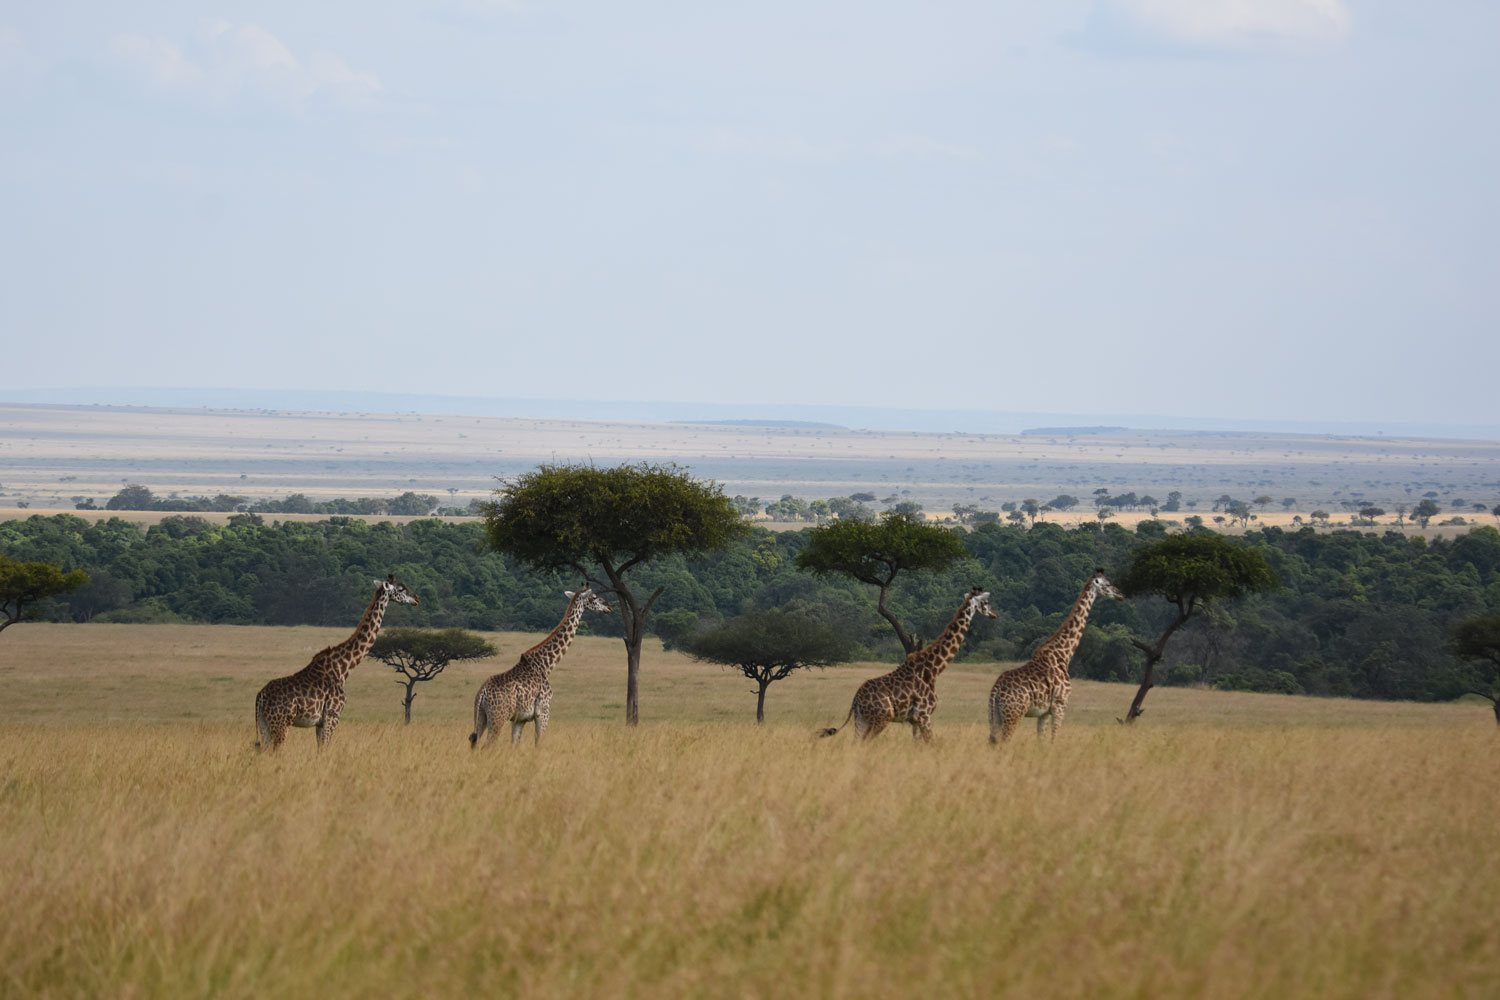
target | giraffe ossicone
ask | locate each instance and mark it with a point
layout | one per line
(1040, 688)
(314, 695)
(909, 693)
(524, 693)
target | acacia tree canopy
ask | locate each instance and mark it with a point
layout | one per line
(875, 552)
(24, 584)
(609, 521)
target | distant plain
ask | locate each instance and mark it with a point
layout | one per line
(51, 454)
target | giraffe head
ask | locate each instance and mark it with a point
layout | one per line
(1100, 586)
(588, 600)
(979, 600)
(396, 591)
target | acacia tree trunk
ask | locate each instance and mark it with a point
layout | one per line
(907, 642)
(1154, 654)
(410, 695)
(760, 703)
(634, 615)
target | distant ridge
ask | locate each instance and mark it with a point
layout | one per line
(868, 418)
(813, 425)
(1073, 431)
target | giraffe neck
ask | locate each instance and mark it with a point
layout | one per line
(551, 649)
(935, 658)
(1065, 640)
(347, 654)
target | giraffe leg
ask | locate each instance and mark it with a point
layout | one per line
(1057, 717)
(1010, 720)
(921, 728)
(543, 713)
(325, 728)
(1040, 722)
(516, 729)
(994, 719)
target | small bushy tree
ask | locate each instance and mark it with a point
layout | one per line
(768, 646)
(421, 654)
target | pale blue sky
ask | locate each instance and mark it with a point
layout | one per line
(1221, 208)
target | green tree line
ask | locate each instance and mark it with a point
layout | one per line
(1358, 614)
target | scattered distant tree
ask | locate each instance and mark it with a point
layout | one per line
(1400, 511)
(1017, 518)
(411, 504)
(1478, 641)
(1263, 501)
(789, 508)
(1188, 571)
(1063, 502)
(1219, 519)
(1193, 520)
(1319, 516)
(767, 646)
(1496, 511)
(23, 585)
(876, 552)
(419, 654)
(1425, 511)
(613, 520)
(1147, 501)
(1224, 501)
(1031, 508)
(862, 497)
(1287, 503)
(1104, 514)
(908, 508)
(1477, 507)
(1239, 511)
(748, 506)
(132, 497)
(1174, 502)
(1369, 514)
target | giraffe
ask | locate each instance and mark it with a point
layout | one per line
(909, 693)
(523, 694)
(1041, 687)
(314, 695)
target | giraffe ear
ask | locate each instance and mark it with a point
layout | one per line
(568, 594)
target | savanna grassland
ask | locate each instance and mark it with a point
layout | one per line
(1227, 845)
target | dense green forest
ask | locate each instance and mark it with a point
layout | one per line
(1358, 614)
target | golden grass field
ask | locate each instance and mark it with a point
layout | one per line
(1228, 845)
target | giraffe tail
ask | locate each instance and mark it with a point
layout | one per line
(479, 721)
(262, 731)
(835, 730)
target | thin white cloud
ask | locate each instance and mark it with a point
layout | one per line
(922, 148)
(244, 59)
(787, 148)
(157, 59)
(1242, 23)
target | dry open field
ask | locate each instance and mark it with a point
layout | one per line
(1230, 845)
(50, 454)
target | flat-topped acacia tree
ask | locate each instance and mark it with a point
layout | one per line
(23, 585)
(1188, 571)
(875, 552)
(609, 521)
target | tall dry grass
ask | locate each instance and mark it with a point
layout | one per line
(722, 860)
(1226, 846)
